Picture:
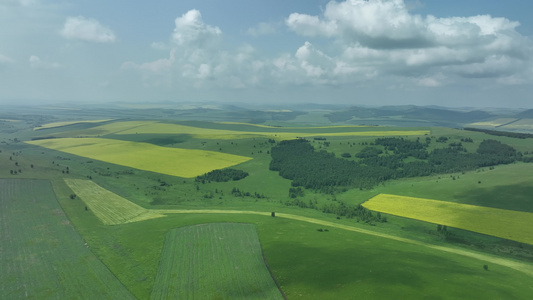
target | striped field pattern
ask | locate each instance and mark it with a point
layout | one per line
(213, 261)
(109, 207)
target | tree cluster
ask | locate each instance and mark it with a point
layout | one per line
(298, 161)
(222, 175)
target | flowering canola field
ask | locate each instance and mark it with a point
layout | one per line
(507, 224)
(186, 163)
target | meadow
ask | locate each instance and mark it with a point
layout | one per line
(172, 161)
(42, 255)
(289, 233)
(311, 254)
(507, 224)
(213, 261)
(232, 130)
(492, 123)
(521, 125)
(67, 123)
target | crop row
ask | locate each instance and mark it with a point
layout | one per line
(109, 207)
(42, 255)
(213, 261)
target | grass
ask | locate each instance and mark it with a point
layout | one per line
(523, 124)
(109, 207)
(308, 264)
(234, 130)
(506, 187)
(66, 123)
(507, 224)
(213, 261)
(42, 255)
(275, 133)
(186, 163)
(492, 123)
(350, 260)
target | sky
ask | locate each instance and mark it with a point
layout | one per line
(456, 53)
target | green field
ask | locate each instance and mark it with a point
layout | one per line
(172, 161)
(507, 224)
(42, 255)
(295, 237)
(143, 214)
(233, 130)
(66, 123)
(213, 261)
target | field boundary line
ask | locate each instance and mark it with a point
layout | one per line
(519, 266)
(54, 184)
(137, 126)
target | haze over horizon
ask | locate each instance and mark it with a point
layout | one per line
(376, 52)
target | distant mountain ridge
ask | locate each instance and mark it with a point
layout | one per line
(420, 113)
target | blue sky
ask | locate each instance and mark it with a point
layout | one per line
(360, 52)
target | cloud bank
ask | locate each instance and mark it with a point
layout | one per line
(86, 29)
(352, 41)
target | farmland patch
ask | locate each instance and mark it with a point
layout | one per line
(42, 255)
(171, 161)
(214, 261)
(227, 131)
(109, 207)
(507, 224)
(66, 123)
(276, 133)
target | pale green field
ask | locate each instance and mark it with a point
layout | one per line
(151, 127)
(42, 256)
(492, 123)
(507, 224)
(171, 161)
(524, 124)
(109, 207)
(66, 123)
(213, 261)
(306, 127)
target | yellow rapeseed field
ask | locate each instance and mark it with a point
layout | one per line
(171, 161)
(109, 207)
(508, 224)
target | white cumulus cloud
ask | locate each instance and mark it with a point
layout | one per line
(386, 36)
(191, 30)
(353, 41)
(87, 29)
